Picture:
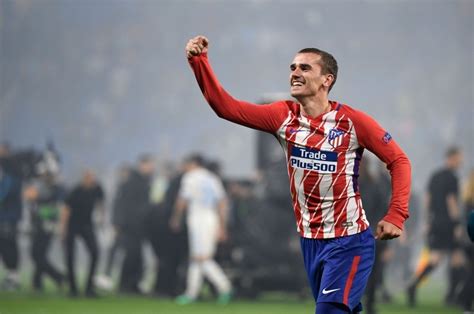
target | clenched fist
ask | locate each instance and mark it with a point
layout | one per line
(196, 46)
(387, 231)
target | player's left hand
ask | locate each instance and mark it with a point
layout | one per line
(387, 231)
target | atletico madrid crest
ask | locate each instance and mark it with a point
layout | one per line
(335, 137)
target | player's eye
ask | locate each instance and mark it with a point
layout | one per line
(292, 67)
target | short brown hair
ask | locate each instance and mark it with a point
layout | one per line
(452, 151)
(328, 63)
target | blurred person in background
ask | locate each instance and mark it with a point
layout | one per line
(10, 215)
(445, 229)
(223, 249)
(105, 281)
(202, 195)
(324, 141)
(375, 194)
(167, 246)
(76, 222)
(8, 160)
(214, 166)
(466, 296)
(404, 248)
(131, 213)
(44, 198)
(170, 246)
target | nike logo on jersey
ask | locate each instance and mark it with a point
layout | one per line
(330, 291)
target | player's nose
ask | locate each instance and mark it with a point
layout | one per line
(295, 77)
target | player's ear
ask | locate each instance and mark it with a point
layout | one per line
(328, 81)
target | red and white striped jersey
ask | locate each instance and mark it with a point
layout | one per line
(323, 155)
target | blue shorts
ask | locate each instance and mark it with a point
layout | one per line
(338, 269)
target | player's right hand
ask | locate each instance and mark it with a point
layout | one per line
(196, 46)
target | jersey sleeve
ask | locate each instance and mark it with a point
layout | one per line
(373, 137)
(268, 117)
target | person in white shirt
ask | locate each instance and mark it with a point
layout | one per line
(203, 195)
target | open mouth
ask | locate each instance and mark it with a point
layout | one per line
(297, 83)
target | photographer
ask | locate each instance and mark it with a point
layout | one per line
(44, 197)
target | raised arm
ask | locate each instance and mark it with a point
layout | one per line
(261, 117)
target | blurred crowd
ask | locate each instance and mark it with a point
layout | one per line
(257, 247)
(133, 217)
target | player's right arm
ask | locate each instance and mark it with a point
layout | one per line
(261, 117)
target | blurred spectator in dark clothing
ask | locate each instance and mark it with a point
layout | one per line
(215, 167)
(117, 240)
(404, 247)
(242, 202)
(469, 204)
(4, 155)
(29, 163)
(8, 162)
(76, 221)
(467, 292)
(10, 215)
(169, 247)
(44, 198)
(445, 228)
(375, 193)
(133, 205)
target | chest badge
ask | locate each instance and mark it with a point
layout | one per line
(335, 137)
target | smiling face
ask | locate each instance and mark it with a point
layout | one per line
(306, 78)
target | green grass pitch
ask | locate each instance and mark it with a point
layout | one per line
(50, 303)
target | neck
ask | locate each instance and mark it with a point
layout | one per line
(315, 106)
